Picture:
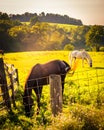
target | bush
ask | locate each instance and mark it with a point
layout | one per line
(68, 47)
(101, 48)
(93, 119)
(64, 122)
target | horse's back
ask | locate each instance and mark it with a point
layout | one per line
(75, 54)
(52, 67)
(78, 54)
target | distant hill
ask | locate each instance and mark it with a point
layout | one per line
(49, 17)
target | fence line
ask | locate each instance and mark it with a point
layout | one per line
(89, 78)
(70, 78)
(77, 80)
(85, 82)
(89, 88)
(8, 81)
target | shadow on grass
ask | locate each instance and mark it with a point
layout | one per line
(13, 121)
(98, 67)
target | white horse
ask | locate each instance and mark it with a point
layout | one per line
(80, 55)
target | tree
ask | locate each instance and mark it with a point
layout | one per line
(4, 16)
(101, 48)
(95, 37)
(34, 20)
(69, 47)
(78, 36)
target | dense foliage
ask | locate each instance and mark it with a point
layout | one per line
(95, 37)
(49, 17)
(36, 35)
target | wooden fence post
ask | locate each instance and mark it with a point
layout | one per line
(3, 84)
(56, 94)
(12, 87)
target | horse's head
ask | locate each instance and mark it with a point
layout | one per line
(90, 62)
(66, 67)
(28, 103)
(89, 59)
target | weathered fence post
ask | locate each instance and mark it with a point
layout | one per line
(12, 87)
(3, 84)
(56, 94)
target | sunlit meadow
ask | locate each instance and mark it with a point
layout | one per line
(83, 94)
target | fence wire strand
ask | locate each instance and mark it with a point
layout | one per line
(87, 80)
(80, 79)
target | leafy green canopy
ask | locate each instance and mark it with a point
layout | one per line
(95, 37)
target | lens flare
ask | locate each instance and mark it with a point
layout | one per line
(74, 66)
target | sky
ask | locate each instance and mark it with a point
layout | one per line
(90, 12)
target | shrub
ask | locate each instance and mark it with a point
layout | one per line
(69, 47)
(101, 48)
(93, 119)
(65, 122)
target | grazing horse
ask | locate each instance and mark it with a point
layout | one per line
(39, 76)
(80, 55)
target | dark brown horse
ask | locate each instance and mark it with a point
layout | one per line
(39, 76)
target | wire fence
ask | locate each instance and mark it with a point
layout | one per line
(84, 87)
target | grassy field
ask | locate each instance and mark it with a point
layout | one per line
(83, 99)
(67, 27)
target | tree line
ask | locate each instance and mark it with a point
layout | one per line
(37, 36)
(49, 17)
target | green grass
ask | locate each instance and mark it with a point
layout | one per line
(83, 99)
(67, 27)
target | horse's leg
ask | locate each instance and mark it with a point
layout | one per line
(82, 62)
(70, 59)
(63, 80)
(87, 61)
(62, 88)
(38, 91)
(27, 100)
(74, 59)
